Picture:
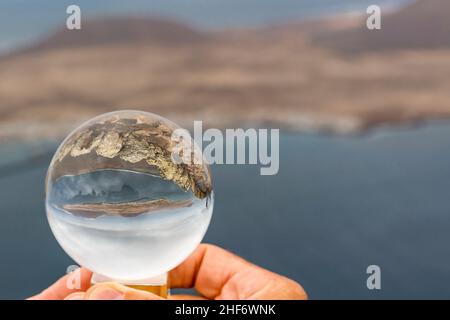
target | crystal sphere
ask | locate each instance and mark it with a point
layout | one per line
(119, 205)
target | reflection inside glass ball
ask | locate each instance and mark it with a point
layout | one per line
(119, 205)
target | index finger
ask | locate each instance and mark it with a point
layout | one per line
(208, 269)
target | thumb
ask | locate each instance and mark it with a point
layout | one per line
(115, 291)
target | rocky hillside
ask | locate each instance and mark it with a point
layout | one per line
(276, 76)
(423, 24)
(121, 31)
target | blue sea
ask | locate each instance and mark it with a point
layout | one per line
(337, 205)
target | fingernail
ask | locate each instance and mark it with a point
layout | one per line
(106, 294)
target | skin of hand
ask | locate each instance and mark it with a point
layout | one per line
(215, 273)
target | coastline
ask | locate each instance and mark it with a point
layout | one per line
(297, 81)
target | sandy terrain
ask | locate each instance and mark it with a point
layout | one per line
(288, 76)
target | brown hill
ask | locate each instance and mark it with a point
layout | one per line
(423, 24)
(122, 31)
(243, 77)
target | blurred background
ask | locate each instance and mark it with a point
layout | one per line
(365, 138)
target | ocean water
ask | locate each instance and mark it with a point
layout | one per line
(337, 205)
(25, 21)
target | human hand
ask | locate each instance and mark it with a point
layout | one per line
(215, 273)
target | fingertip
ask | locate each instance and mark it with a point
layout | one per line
(115, 291)
(75, 296)
(104, 291)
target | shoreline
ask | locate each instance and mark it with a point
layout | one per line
(367, 132)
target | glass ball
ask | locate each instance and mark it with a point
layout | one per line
(119, 205)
